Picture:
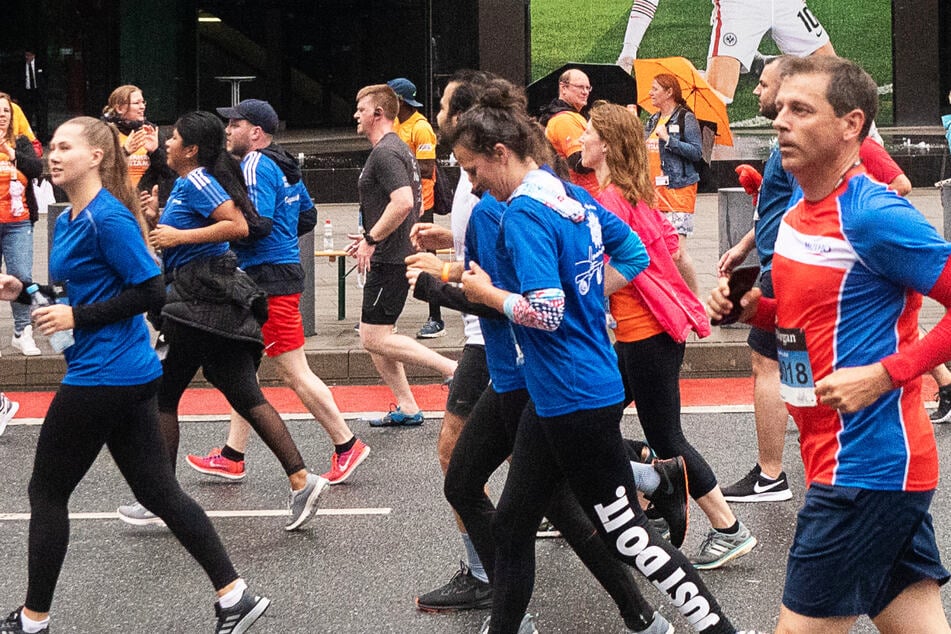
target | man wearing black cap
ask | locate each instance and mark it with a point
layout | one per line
(275, 187)
(416, 132)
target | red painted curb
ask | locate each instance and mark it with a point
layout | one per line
(378, 398)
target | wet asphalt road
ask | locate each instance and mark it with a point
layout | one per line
(358, 571)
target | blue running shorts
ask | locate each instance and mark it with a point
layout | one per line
(855, 550)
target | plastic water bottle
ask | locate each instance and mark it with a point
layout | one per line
(59, 340)
(328, 235)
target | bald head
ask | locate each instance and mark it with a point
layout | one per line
(574, 88)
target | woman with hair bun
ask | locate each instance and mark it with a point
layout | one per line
(551, 281)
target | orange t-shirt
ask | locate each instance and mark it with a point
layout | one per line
(564, 131)
(138, 162)
(421, 139)
(683, 199)
(12, 210)
(634, 321)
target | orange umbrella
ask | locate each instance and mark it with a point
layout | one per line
(701, 98)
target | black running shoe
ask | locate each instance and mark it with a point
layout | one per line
(463, 592)
(242, 615)
(13, 625)
(943, 413)
(670, 498)
(755, 487)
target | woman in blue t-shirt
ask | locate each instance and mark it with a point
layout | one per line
(551, 281)
(213, 315)
(108, 396)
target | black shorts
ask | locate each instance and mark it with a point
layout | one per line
(384, 294)
(764, 341)
(469, 381)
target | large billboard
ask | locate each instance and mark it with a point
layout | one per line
(594, 31)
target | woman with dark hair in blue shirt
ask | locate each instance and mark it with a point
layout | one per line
(551, 284)
(108, 396)
(213, 315)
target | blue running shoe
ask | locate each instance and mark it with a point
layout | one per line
(396, 418)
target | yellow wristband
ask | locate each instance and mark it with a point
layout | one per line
(445, 272)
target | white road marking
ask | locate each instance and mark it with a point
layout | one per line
(111, 515)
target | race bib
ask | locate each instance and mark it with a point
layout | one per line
(797, 386)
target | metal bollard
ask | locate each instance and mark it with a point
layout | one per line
(52, 213)
(308, 297)
(946, 210)
(735, 209)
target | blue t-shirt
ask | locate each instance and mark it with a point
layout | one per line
(575, 367)
(190, 204)
(278, 200)
(96, 256)
(773, 202)
(501, 354)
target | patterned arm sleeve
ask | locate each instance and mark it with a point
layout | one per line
(543, 309)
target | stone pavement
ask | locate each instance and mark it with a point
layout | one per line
(335, 353)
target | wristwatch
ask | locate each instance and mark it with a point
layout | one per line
(369, 239)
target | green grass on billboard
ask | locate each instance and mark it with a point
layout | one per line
(593, 30)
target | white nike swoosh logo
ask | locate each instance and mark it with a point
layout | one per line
(758, 488)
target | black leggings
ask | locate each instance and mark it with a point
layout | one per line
(230, 365)
(585, 448)
(484, 444)
(650, 369)
(80, 420)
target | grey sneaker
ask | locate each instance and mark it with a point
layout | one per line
(303, 503)
(719, 548)
(242, 615)
(431, 329)
(659, 625)
(8, 409)
(527, 626)
(138, 515)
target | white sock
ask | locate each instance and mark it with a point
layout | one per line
(30, 626)
(232, 596)
(645, 477)
(642, 14)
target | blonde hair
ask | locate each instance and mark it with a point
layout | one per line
(626, 155)
(121, 96)
(113, 169)
(9, 136)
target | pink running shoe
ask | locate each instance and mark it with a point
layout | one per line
(215, 464)
(343, 464)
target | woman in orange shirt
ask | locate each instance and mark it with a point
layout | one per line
(655, 313)
(143, 144)
(674, 143)
(18, 166)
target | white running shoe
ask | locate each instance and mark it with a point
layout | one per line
(24, 342)
(8, 409)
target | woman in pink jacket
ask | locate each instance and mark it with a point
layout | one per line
(655, 313)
